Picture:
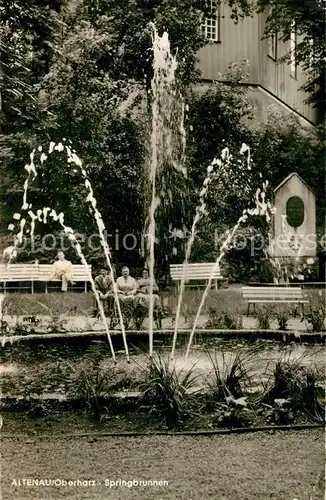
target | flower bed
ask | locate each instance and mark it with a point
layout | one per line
(240, 387)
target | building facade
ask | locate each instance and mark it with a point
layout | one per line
(272, 84)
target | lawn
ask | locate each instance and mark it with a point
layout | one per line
(280, 466)
(81, 304)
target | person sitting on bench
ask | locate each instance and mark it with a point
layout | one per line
(126, 287)
(142, 297)
(104, 287)
(62, 270)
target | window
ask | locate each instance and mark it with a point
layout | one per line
(211, 25)
(272, 47)
(293, 44)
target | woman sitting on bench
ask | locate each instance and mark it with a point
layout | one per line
(142, 297)
(126, 287)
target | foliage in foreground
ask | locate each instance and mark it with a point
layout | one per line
(230, 396)
(167, 391)
(95, 383)
(229, 378)
(291, 389)
(316, 315)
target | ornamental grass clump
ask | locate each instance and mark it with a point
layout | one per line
(283, 318)
(264, 317)
(169, 393)
(94, 384)
(316, 316)
(229, 378)
(229, 385)
(226, 319)
(293, 386)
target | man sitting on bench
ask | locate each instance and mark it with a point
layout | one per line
(62, 270)
(103, 284)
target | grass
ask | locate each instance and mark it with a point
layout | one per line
(264, 316)
(282, 317)
(81, 303)
(71, 304)
(231, 378)
(226, 299)
(316, 315)
(229, 384)
(93, 384)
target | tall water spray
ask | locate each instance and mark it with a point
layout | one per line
(200, 212)
(45, 212)
(221, 170)
(167, 144)
(262, 207)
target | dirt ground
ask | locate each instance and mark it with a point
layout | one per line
(259, 466)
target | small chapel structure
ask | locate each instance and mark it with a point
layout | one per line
(294, 224)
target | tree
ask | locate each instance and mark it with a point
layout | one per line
(280, 151)
(27, 35)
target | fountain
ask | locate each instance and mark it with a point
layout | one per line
(167, 150)
(72, 158)
(261, 208)
(165, 143)
(223, 165)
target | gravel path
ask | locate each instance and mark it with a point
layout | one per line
(281, 466)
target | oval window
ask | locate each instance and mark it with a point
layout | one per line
(295, 211)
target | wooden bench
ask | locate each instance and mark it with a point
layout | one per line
(79, 274)
(272, 295)
(196, 272)
(32, 273)
(19, 273)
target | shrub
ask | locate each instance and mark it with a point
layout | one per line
(280, 413)
(294, 383)
(230, 320)
(232, 379)
(316, 316)
(283, 317)
(233, 413)
(94, 384)
(167, 391)
(26, 325)
(313, 395)
(264, 316)
(4, 327)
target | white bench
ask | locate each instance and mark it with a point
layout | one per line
(272, 295)
(19, 273)
(79, 273)
(31, 273)
(196, 271)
